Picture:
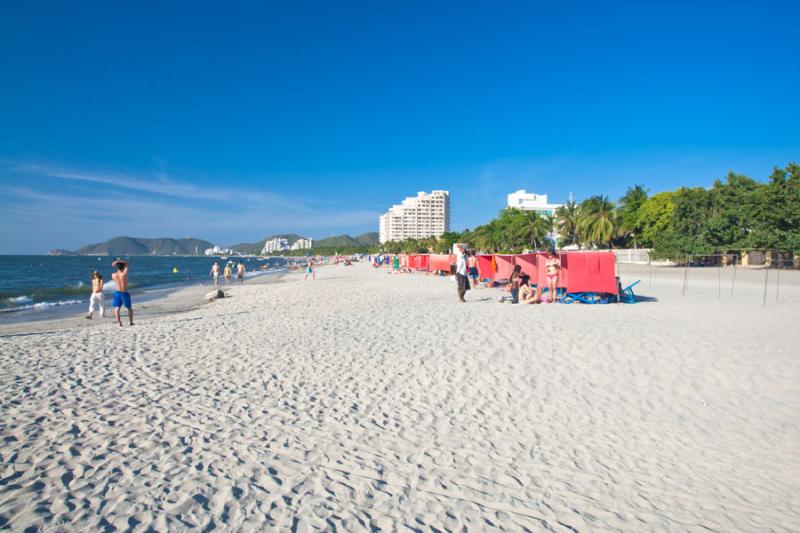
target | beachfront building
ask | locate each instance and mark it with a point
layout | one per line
(276, 244)
(528, 201)
(416, 217)
(302, 244)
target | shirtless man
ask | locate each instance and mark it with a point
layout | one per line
(240, 273)
(215, 273)
(121, 294)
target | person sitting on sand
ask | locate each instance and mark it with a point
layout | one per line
(552, 267)
(97, 295)
(527, 294)
(228, 273)
(121, 295)
(215, 273)
(240, 273)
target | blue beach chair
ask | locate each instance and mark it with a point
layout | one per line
(626, 295)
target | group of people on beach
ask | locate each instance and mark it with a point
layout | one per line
(121, 295)
(519, 284)
(227, 273)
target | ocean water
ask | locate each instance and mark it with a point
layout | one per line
(37, 286)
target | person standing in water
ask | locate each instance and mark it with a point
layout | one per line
(121, 295)
(215, 273)
(310, 270)
(228, 272)
(240, 273)
(97, 295)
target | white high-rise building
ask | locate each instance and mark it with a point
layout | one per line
(302, 244)
(417, 217)
(528, 201)
(275, 245)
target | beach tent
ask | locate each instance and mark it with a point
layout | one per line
(590, 272)
(528, 263)
(505, 266)
(439, 262)
(418, 262)
(485, 266)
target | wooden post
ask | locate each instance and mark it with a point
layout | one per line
(733, 282)
(766, 277)
(719, 280)
(778, 284)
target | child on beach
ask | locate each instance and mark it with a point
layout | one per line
(552, 267)
(97, 295)
(310, 270)
(514, 282)
(121, 295)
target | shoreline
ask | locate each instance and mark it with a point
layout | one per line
(174, 300)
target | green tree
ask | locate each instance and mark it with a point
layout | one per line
(653, 217)
(567, 217)
(629, 206)
(598, 223)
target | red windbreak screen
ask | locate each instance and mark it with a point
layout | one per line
(505, 265)
(439, 262)
(485, 266)
(591, 272)
(418, 262)
(528, 264)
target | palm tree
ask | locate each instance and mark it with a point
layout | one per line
(598, 221)
(629, 209)
(567, 217)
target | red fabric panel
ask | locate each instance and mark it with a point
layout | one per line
(528, 263)
(592, 272)
(418, 262)
(505, 265)
(439, 262)
(485, 266)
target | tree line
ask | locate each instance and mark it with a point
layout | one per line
(737, 213)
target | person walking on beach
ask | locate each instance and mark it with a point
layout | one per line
(461, 274)
(228, 273)
(97, 295)
(121, 295)
(240, 273)
(310, 270)
(552, 267)
(215, 273)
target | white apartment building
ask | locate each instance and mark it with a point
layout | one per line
(528, 201)
(302, 244)
(275, 245)
(416, 217)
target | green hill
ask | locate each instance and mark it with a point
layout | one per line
(139, 246)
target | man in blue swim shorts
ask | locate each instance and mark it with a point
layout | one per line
(121, 295)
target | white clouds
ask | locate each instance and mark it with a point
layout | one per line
(159, 207)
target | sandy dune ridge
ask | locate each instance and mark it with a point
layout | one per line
(367, 401)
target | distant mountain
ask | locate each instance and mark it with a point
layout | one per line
(138, 246)
(256, 247)
(340, 241)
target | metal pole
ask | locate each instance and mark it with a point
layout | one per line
(766, 277)
(685, 277)
(719, 279)
(733, 283)
(778, 285)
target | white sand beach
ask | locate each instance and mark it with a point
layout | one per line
(365, 401)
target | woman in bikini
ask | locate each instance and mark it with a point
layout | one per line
(552, 267)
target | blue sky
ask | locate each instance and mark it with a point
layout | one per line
(233, 121)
